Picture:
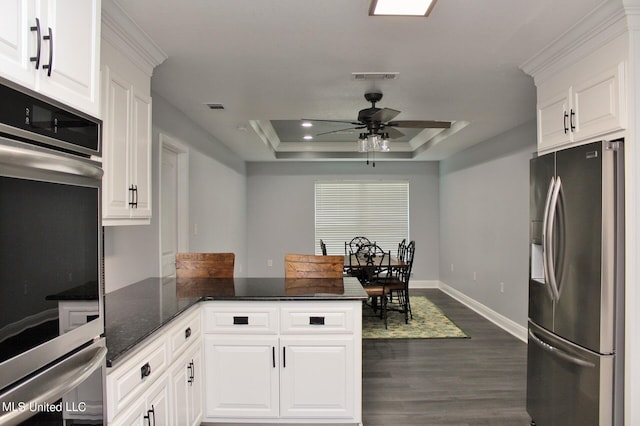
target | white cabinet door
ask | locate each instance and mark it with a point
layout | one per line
(116, 115)
(187, 388)
(53, 47)
(158, 403)
(152, 408)
(599, 104)
(241, 378)
(140, 152)
(17, 41)
(72, 52)
(554, 120)
(126, 151)
(317, 377)
(195, 387)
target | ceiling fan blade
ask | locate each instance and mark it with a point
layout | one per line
(393, 132)
(355, 123)
(341, 130)
(421, 124)
(384, 115)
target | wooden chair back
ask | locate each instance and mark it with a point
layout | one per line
(205, 265)
(312, 266)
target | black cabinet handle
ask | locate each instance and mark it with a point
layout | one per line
(49, 66)
(566, 128)
(240, 320)
(151, 414)
(187, 333)
(145, 370)
(192, 370)
(36, 58)
(572, 120)
(133, 197)
(316, 320)
(284, 357)
(273, 355)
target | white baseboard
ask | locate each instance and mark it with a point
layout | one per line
(424, 284)
(510, 326)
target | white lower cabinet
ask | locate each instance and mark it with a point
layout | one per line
(160, 383)
(318, 377)
(151, 408)
(283, 362)
(186, 386)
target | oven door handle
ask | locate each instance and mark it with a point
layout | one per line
(56, 382)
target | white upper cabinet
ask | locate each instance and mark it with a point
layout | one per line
(53, 47)
(589, 108)
(581, 82)
(126, 67)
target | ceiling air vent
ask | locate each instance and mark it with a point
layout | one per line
(215, 106)
(362, 76)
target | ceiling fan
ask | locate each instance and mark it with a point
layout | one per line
(377, 121)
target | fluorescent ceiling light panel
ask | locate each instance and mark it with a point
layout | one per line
(401, 7)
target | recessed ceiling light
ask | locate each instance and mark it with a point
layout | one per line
(401, 7)
(308, 137)
(306, 124)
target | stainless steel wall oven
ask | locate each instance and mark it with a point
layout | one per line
(52, 347)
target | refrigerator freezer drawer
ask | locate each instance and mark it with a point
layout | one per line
(566, 384)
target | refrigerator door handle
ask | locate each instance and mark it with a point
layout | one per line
(559, 353)
(548, 249)
(546, 239)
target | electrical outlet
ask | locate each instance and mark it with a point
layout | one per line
(269, 263)
(474, 275)
(452, 267)
(501, 287)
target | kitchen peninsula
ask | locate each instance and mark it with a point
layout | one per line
(275, 350)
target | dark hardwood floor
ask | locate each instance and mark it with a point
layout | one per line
(475, 381)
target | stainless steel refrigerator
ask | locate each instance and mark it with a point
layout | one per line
(576, 287)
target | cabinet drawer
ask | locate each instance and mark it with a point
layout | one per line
(127, 381)
(184, 333)
(312, 318)
(240, 318)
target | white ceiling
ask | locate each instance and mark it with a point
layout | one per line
(291, 59)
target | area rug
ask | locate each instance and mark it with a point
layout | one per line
(428, 323)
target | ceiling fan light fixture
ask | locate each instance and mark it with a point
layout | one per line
(401, 7)
(362, 143)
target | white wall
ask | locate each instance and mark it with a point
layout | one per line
(280, 202)
(484, 221)
(217, 203)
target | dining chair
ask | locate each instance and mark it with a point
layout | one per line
(205, 265)
(313, 266)
(356, 243)
(374, 265)
(397, 284)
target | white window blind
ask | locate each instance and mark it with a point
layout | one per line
(378, 210)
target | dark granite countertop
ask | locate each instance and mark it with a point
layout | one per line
(134, 312)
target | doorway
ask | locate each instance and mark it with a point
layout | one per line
(174, 202)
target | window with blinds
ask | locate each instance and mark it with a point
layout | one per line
(378, 210)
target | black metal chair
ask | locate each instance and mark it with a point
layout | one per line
(374, 265)
(323, 248)
(355, 244)
(398, 284)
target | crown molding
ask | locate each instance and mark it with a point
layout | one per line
(599, 27)
(123, 33)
